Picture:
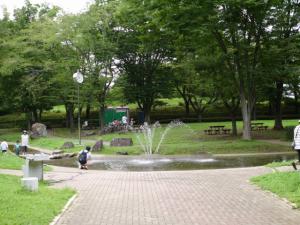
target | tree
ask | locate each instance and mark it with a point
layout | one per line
(28, 64)
(144, 53)
(282, 50)
(89, 36)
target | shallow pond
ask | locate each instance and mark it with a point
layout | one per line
(164, 163)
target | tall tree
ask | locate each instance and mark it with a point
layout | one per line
(144, 54)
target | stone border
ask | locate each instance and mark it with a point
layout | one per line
(69, 203)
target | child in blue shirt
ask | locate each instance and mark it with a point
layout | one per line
(17, 147)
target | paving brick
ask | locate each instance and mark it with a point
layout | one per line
(204, 197)
(173, 198)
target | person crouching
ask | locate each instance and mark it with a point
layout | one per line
(83, 157)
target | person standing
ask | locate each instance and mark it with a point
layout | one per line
(24, 141)
(124, 120)
(296, 143)
(4, 146)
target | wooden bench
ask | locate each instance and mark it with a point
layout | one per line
(217, 130)
(258, 127)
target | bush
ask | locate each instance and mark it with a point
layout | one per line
(289, 133)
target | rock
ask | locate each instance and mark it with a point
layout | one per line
(70, 155)
(56, 156)
(55, 152)
(122, 153)
(63, 155)
(67, 145)
(38, 130)
(121, 142)
(88, 133)
(97, 146)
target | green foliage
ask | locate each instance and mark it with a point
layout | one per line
(289, 132)
(285, 185)
(19, 206)
(144, 50)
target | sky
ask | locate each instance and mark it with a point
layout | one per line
(69, 6)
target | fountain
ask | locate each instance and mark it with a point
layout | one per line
(147, 136)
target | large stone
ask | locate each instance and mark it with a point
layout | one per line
(30, 183)
(67, 145)
(121, 142)
(38, 130)
(122, 153)
(97, 146)
(63, 155)
(88, 133)
(55, 152)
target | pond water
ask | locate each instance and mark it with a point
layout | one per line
(165, 163)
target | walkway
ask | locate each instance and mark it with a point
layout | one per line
(206, 197)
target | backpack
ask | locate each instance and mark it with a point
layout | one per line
(83, 157)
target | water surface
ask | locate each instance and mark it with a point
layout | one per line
(165, 163)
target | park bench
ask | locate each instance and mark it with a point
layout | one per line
(258, 127)
(217, 130)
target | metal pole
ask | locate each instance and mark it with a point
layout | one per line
(79, 134)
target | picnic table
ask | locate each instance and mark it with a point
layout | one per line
(258, 126)
(215, 130)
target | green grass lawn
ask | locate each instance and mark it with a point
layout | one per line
(189, 139)
(13, 162)
(19, 206)
(10, 161)
(284, 184)
(279, 164)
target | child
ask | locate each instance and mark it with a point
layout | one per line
(83, 157)
(17, 147)
(4, 146)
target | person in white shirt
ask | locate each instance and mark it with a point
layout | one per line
(83, 157)
(4, 146)
(296, 143)
(124, 120)
(24, 141)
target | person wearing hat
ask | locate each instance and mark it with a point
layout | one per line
(296, 143)
(24, 141)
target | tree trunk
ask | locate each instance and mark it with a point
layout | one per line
(254, 112)
(101, 117)
(67, 117)
(87, 111)
(28, 120)
(147, 116)
(34, 116)
(70, 116)
(246, 113)
(296, 104)
(40, 115)
(71, 120)
(199, 116)
(278, 109)
(187, 106)
(234, 127)
(270, 107)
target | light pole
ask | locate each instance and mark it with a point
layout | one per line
(78, 78)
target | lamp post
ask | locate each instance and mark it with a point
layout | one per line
(78, 78)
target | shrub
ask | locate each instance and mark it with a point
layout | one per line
(289, 133)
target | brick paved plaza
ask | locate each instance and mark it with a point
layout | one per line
(205, 197)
